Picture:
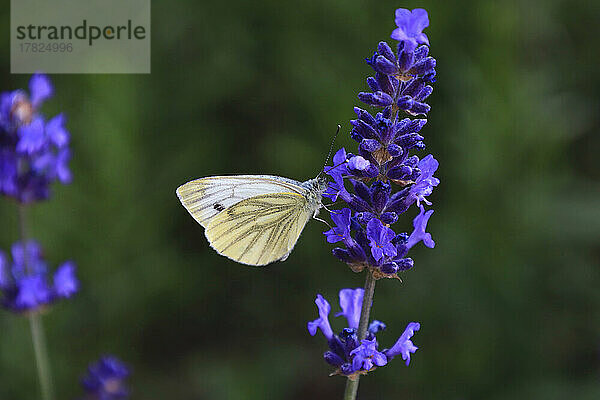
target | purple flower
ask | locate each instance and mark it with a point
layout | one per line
(376, 326)
(29, 252)
(337, 171)
(380, 237)
(16, 108)
(366, 356)
(106, 378)
(404, 345)
(8, 172)
(342, 229)
(32, 138)
(55, 129)
(32, 291)
(25, 284)
(425, 182)
(65, 282)
(351, 304)
(40, 88)
(54, 166)
(418, 234)
(346, 353)
(410, 27)
(358, 163)
(34, 152)
(323, 321)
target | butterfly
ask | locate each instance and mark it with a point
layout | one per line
(252, 219)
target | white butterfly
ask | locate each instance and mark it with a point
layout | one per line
(252, 219)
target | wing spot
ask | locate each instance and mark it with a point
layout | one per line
(219, 207)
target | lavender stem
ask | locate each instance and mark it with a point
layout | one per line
(352, 385)
(35, 323)
(41, 355)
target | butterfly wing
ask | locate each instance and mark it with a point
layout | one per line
(204, 198)
(260, 229)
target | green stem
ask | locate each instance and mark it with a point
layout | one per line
(352, 385)
(35, 322)
(41, 355)
(351, 389)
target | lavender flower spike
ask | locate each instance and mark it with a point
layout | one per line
(105, 379)
(385, 175)
(34, 151)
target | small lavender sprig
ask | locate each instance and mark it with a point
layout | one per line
(386, 180)
(28, 289)
(106, 379)
(350, 356)
(34, 153)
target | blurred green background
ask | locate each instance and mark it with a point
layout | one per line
(509, 299)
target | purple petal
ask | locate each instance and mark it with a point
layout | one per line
(373, 228)
(418, 234)
(56, 131)
(323, 321)
(404, 345)
(40, 89)
(358, 163)
(390, 250)
(342, 229)
(32, 251)
(410, 27)
(105, 379)
(366, 356)
(32, 292)
(32, 136)
(357, 363)
(5, 279)
(377, 253)
(62, 166)
(65, 281)
(351, 304)
(379, 359)
(419, 21)
(428, 165)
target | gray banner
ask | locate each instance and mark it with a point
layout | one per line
(74, 36)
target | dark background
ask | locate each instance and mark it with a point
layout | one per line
(509, 299)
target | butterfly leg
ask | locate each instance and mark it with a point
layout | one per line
(322, 220)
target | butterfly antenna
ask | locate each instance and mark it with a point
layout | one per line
(337, 132)
(330, 149)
